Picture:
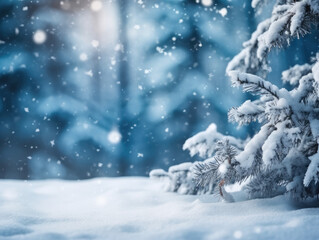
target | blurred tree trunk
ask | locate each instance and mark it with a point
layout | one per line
(96, 87)
(124, 118)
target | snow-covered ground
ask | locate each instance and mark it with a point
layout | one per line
(137, 208)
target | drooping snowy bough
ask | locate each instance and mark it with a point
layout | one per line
(283, 156)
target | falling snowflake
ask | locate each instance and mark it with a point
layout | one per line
(95, 43)
(207, 3)
(39, 37)
(89, 73)
(83, 57)
(114, 137)
(223, 12)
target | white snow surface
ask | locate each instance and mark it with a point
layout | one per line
(138, 208)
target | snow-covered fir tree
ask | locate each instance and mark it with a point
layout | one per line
(283, 155)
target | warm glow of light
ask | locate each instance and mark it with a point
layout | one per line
(96, 5)
(39, 37)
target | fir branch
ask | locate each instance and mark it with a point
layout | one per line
(226, 150)
(290, 19)
(266, 184)
(204, 143)
(247, 113)
(247, 60)
(253, 84)
(212, 171)
(206, 173)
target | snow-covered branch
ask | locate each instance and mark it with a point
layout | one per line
(248, 112)
(204, 143)
(289, 19)
(253, 84)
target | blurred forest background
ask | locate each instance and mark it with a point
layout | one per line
(112, 88)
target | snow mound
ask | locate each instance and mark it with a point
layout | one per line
(136, 208)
